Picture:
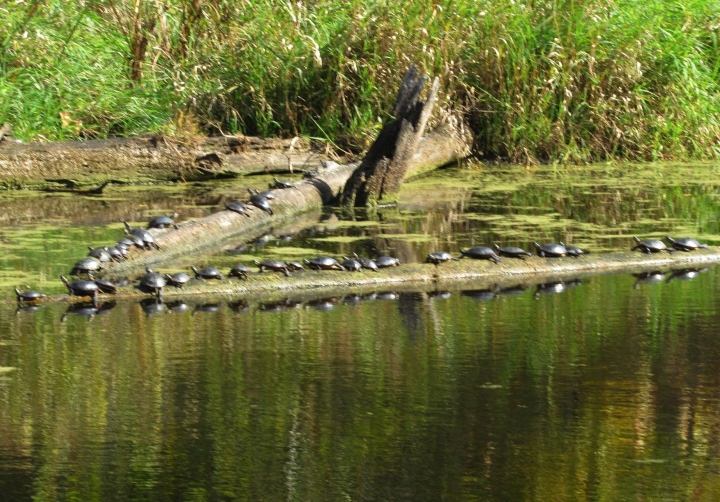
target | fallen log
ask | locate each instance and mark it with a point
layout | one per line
(464, 274)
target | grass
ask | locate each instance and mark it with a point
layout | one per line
(540, 80)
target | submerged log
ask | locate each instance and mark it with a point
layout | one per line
(465, 274)
(382, 171)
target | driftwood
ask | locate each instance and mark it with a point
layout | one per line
(379, 177)
(81, 163)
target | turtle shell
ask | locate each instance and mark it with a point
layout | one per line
(261, 201)
(86, 266)
(237, 207)
(685, 243)
(650, 245)
(106, 286)
(387, 261)
(178, 279)
(511, 251)
(294, 265)
(28, 296)
(81, 287)
(480, 253)
(367, 263)
(551, 250)
(207, 273)
(439, 257)
(351, 264)
(573, 251)
(162, 222)
(282, 184)
(240, 271)
(274, 265)
(101, 253)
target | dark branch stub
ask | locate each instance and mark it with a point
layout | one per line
(383, 169)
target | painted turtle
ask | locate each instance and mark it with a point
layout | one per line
(282, 184)
(367, 263)
(273, 265)
(177, 280)
(550, 250)
(685, 243)
(134, 240)
(116, 253)
(81, 288)
(294, 265)
(260, 201)
(511, 252)
(146, 237)
(87, 265)
(351, 264)
(101, 253)
(207, 273)
(152, 283)
(439, 257)
(573, 251)
(650, 246)
(323, 263)
(480, 253)
(240, 271)
(163, 222)
(28, 296)
(387, 261)
(106, 286)
(238, 207)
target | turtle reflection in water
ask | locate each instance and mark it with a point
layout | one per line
(550, 288)
(651, 277)
(685, 274)
(88, 310)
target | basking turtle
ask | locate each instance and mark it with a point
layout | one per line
(177, 280)
(101, 253)
(134, 240)
(240, 271)
(152, 283)
(511, 252)
(238, 207)
(207, 273)
(260, 201)
(387, 261)
(367, 263)
(28, 296)
(480, 253)
(351, 264)
(106, 286)
(294, 265)
(439, 257)
(273, 265)
(163, 222)
(87, 265)
(573, 251)
(282, 184)
(685, 243)
(146, 237)
(650, 246)
(116, 253)
(550, 250)
(323, 263)
(309, 175)
(81, 288)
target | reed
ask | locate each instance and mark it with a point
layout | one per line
(536, 80)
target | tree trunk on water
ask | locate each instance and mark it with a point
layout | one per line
(383, 169)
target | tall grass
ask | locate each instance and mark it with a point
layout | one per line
(547, 80)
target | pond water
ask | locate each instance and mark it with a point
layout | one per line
(605, 389)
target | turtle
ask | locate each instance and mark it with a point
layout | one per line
(650, 246)
(573, 251)
(282, 184)
(116, 253)
(163, 222)
(550, 250)
(238, 207)
(28, 296)
(106, 286)
(177, 280)
(87, 265)
(240, 271)
(101, 253)
(260, 201)
(685, 243)
(294, 265)
(511, 252)
(323, 263)
(480, 253)
(387, 261)
(268, 194)
(439, 257)
(152, 283)
(367, 263)
(147, 238)
(351, 264)
(207, 273)
(81, 288)
(134, 240)
(273, 265)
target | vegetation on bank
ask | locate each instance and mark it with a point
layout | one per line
(548, 80)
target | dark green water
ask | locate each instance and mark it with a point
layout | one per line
(607, 390)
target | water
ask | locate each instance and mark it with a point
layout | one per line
(602, 390)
